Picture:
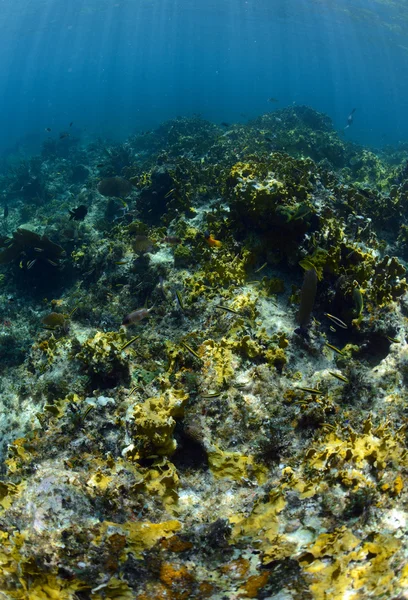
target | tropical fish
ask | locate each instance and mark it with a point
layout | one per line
(334, 348)
(189, 349)
(136, 316)
(169, 193)
(212, 242)
(339, 376)
(336, 320)
(142, 243)
(350, 119)
(309, 390)
(210, 395)
(79, 213)
(171, 239)
(393, 340)
(227, 309)
(358, 300)
(130, 342)
(54, 320)
(260, 268)
(180, 299)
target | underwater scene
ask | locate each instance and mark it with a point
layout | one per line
(204, 300)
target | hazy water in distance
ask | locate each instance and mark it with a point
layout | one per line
(117, 66)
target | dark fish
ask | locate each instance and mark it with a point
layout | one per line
(48, 129)
(271, 100)
(350, 118)
(6, 211)
(268, 139)
(224, 124)
(142, 243)
(72, 122)
(63, 134)
(307, 297)
(54, 320)
(78, 214)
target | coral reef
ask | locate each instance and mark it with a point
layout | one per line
(182, 418)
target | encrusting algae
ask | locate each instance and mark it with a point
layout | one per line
(247, 439)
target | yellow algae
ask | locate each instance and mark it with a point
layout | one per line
(262, 525)
(19, 455)
(7, 493)
(374, 449)
(162, 480)
(144, 535)
(233, 465)
(154, 423)
(99, 480)
(374, 571)
(398, 485)
(115, 588)
(218, 361)
(404, 577)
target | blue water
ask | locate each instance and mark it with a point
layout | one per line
(115, 67)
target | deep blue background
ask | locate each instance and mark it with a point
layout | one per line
(118, 66)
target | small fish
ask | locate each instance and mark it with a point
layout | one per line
(180, 300)
(136, 316)
(339, 377)
(79, 213)
(63, 134)
(358, 300)
(350, 119)
(393, 340)
(5, 211)
(31, 263)
(48, 129)
(87, 411)
(334, 348)
(130, 342)
(171, 239)
(312, 391)
(208, 396)
(189, 348)
(272, 100)
(170, 193)
(268, 139)
(227, 309)
(336, 320)
(100, 166)
(72, 122)
(212, 242)
(333, 329)
(121, 262)
(224, 124)
(52, 262)
(260, 268)
(39, 250)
